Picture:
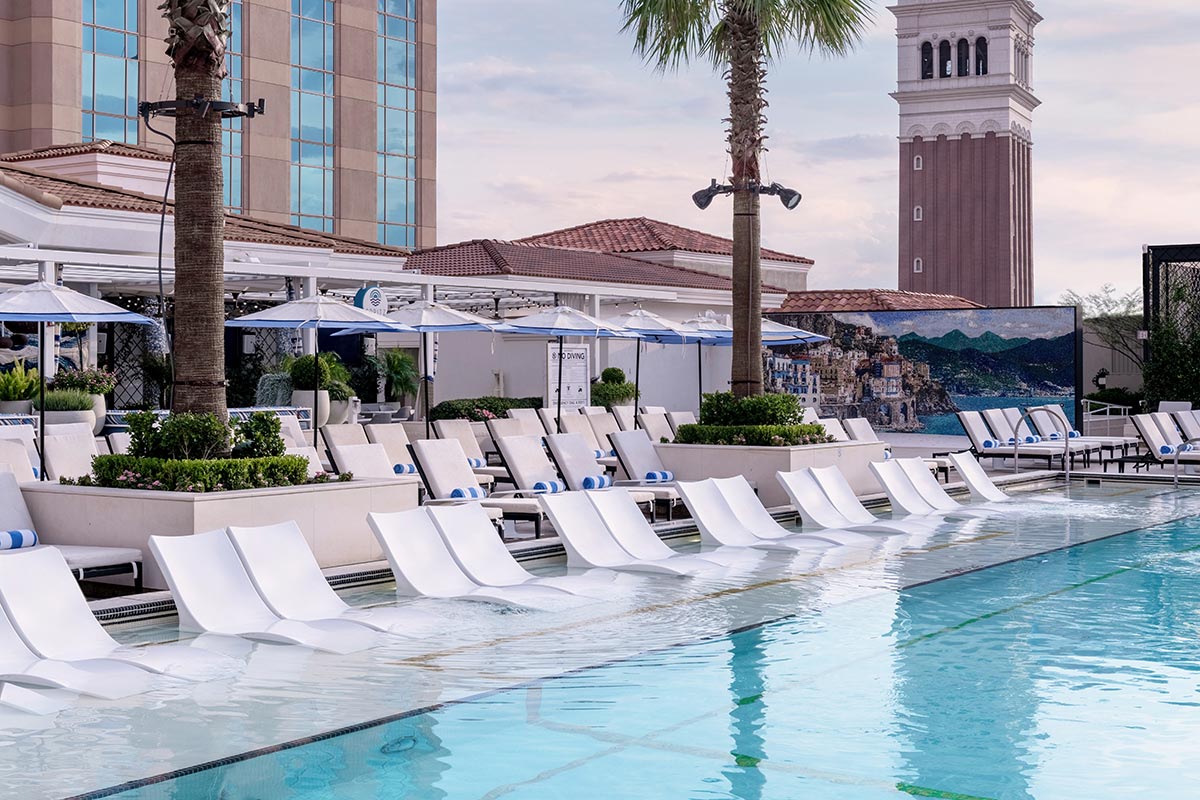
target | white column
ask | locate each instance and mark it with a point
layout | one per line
(308, 338)
(429, 294)
(599, 355)
(47, 352)
(93, 290)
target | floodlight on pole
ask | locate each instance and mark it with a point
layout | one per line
(789, 197)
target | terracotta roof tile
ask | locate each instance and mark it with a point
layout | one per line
(492, 257)
(53, 190)
(79, 148)
(642, 235)
(832, 300)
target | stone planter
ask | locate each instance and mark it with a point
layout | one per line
(338, 411)
(693, 462)
(303, 398)
(69, 417)
(100, 409)
(16, 406)
(332, 516)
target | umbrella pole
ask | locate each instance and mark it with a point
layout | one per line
(317, 385)
(425, 381)
(560, 360)
(637, 379)
(699, 378)
(41, 402)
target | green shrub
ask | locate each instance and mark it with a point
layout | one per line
(612, 394)
(612, 375)
(19, 383)
(177, 436)
(258, 436)
(304, 371)
(190, 475)
(478, 409)
(723, 408)
(339, 391)
(65, 400)
(89, 381)
(756, 435)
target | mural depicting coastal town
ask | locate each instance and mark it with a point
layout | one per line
(912, 370)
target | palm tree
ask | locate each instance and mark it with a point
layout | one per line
(199, 30)
(740, 37)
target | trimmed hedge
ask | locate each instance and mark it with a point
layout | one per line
(756, 435)
(723, 408)
(478, 409)
(209, 475)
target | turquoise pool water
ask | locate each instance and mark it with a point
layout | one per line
(1071, 674)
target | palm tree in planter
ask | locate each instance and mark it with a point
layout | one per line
(739, 37)
(199, 30)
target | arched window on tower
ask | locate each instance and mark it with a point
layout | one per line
(918, 163)
(926, 61)
(981, 56)
(945, 62)
(918, 265)
(918, 214)
(964, 58)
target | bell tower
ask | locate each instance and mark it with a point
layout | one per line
(965, 91)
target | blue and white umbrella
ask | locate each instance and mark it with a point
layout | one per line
(44, 302)
(562, 321)
(317, 313)
(654, 328)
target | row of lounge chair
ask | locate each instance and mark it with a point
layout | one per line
(1170, 436)
(1004, 433)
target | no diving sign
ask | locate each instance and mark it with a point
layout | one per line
(576, 376)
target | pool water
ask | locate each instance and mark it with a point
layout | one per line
(1070, 674)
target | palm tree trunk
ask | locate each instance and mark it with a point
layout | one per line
(199, 250)
(746, 105)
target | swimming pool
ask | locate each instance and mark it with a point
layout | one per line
(1067, 674)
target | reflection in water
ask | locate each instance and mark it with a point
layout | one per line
(747, 714)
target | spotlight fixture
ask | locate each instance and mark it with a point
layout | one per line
(789, 197)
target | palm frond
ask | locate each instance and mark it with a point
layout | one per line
(830, 27)
(668, 33)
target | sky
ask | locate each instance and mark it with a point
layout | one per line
(547, 119)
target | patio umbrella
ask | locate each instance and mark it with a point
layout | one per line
(563, 321)
(317, 313)
(721, 335)
(43, 302)
(425, 316)
(652, 327)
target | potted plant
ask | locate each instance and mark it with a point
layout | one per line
(65, 406)
(320, 374)
(17, 389)
(94, 382)
(612, 389)
(341, 398)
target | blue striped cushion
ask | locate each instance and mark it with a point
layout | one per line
(660, 476)
(549, 487)
(598, 453)
(1170, 450)
(1032, 439)
(1074, 434)
(12, 540)
(1056, 436)
(404, 469)
(597, 482)
(475, 463)
(469, 493)
(989, 443)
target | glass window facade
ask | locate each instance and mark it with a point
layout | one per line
(396, 133)
(231, 128)
(312, 101)
(110, 70)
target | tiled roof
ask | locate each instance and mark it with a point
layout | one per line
(642, 235)
(56, 190)
(79, 148)
(869, 300)
(491, 257)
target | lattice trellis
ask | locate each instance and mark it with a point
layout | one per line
(1171, 287)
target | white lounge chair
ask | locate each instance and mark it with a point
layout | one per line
(507, 426)
(835, 486)
(118, 442)
(213, 594)
(448, 478)
(1166, 426)
(720, 526)
(44, 604)
(589, 544)
(987, 444)
(624, 416)
(904, 497)
(292, 434)
(341, 436)
(678, 418)
(1050, 422)
(528, 464)
(810, 416)
(978, 483)
(423, 567)
(531, 423)
(462, 431)
(931, 492)
(549, 418)
(581, 425)
(1160, 450)
(1188, 424)
(653, 409)
(740, 497)
(26, 435)
(472, 541)
(367, 462)
(656, 426)
(818, 511)
(626, 524)
(70, 429)
(99, 678)
(69, 456)
(84, 561)
(576, 461)
(15, 459)
(639, 460)
(833, 427)
(394, 439)
(309, 454)
(286, 574)
(1077, 447)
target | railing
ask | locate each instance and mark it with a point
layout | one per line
(1056, 415)
(1107, 411)
(1178, 450)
